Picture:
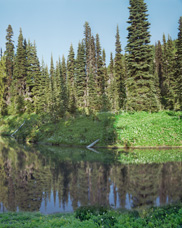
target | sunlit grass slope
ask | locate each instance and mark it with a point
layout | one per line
(149, 129)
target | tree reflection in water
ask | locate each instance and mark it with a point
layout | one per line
(54, 179)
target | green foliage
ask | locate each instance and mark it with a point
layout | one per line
(33, 79)
(168, 216)
(2, 84)
(119, 76)
(100, 215)
(140, 83)
(178, 74)
(20, 104)
(20, 65)
(80, 73)
(85, 213)
(9, 53)
(71, 81)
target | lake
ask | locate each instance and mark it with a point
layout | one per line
(53, 179)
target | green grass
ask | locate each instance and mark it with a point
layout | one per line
(149, 129)
(168, 216)
(124, 129)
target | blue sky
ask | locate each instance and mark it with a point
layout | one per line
(55, 24)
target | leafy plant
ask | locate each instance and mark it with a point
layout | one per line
(86, 212)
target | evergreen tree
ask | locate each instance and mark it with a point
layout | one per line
(170, 74)
(92, 86)
(87, 43)
(20, 73)
(106, 77)
(2, 84)
(112, 94)
(71, 81)
(45, 74)
(105, 100)
(58, 91)
(141, 93)
(119, 72)
(64, 95)
(166, 79)
(33, 79)
(41, 90)
(159, 63)
(111, 69)
(99, 77)
(9, 53)
(81, 83)
(100, 83)
(178, 74)
(158, 69)
(90, 53)
(93, 99)
(52, 96)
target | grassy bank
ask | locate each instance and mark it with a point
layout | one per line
(168, 216)
(123, 129)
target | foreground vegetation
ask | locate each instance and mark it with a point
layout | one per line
(168, 216)
(122, 130)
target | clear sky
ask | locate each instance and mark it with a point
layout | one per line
(55, 24)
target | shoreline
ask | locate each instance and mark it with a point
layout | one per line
(165, 147)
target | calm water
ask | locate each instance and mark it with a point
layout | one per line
(53, 179)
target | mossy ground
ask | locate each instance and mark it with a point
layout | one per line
(123, 129)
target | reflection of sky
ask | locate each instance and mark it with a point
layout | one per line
(2, 208)
(49, 206)
(128, 200)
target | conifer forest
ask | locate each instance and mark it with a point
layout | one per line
(143, 77)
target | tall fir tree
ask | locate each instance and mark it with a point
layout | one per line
(111, 92)
(9, 53)
(41, 90)
(141, 92)
(71, 81)
(80, 72)
(178, 73)
(119, 72)
(158, 69)
(166, 79)
(2, 84)
(64, 95)
(58, 90)
(52, 96)
(106, 77)
(90, 53)
(99, 78)
(159, 63)
(170, 74)
(33, 79)
(19, 74)
(99, 68)
(105, 99)
(87, 43)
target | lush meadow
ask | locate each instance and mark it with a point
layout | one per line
(138, 129)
